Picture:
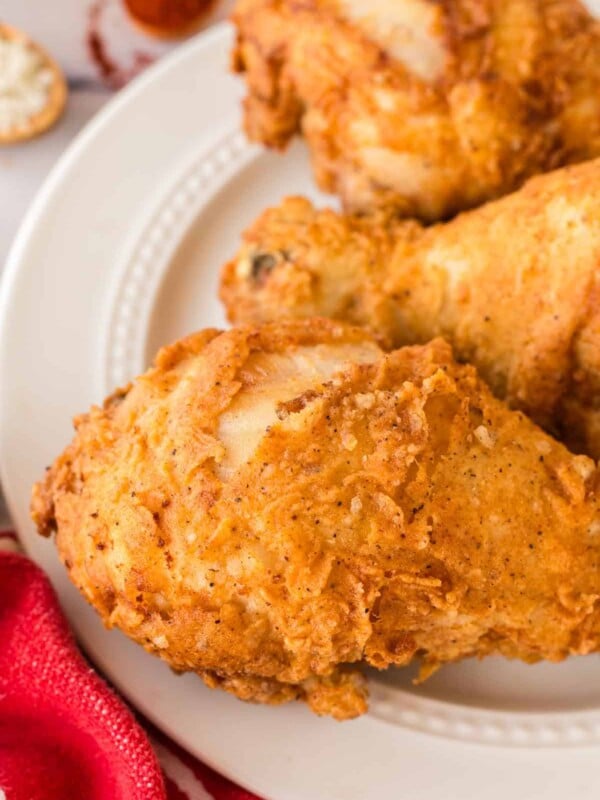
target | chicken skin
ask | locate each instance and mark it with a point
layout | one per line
(514, 286)
(270, 506)
(425, 107)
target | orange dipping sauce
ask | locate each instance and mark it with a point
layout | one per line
(168, 18)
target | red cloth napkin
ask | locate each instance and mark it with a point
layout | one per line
(64, 734)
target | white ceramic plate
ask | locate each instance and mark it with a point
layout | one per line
(120, 254)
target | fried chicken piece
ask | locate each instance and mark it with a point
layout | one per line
(269, 506)
(514, 286)
(427, 107)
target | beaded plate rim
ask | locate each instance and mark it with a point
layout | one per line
(147, 259)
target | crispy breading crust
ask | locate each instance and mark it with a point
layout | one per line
(397, 510)
(514, 286)
(510, 88)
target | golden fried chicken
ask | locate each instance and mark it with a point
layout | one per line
(514, 286)
(427, 107)
(269, 506)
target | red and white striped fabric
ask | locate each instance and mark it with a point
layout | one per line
(64, 733)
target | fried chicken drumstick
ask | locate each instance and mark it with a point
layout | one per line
(269, 506)
(426, 107)
(514, 286)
